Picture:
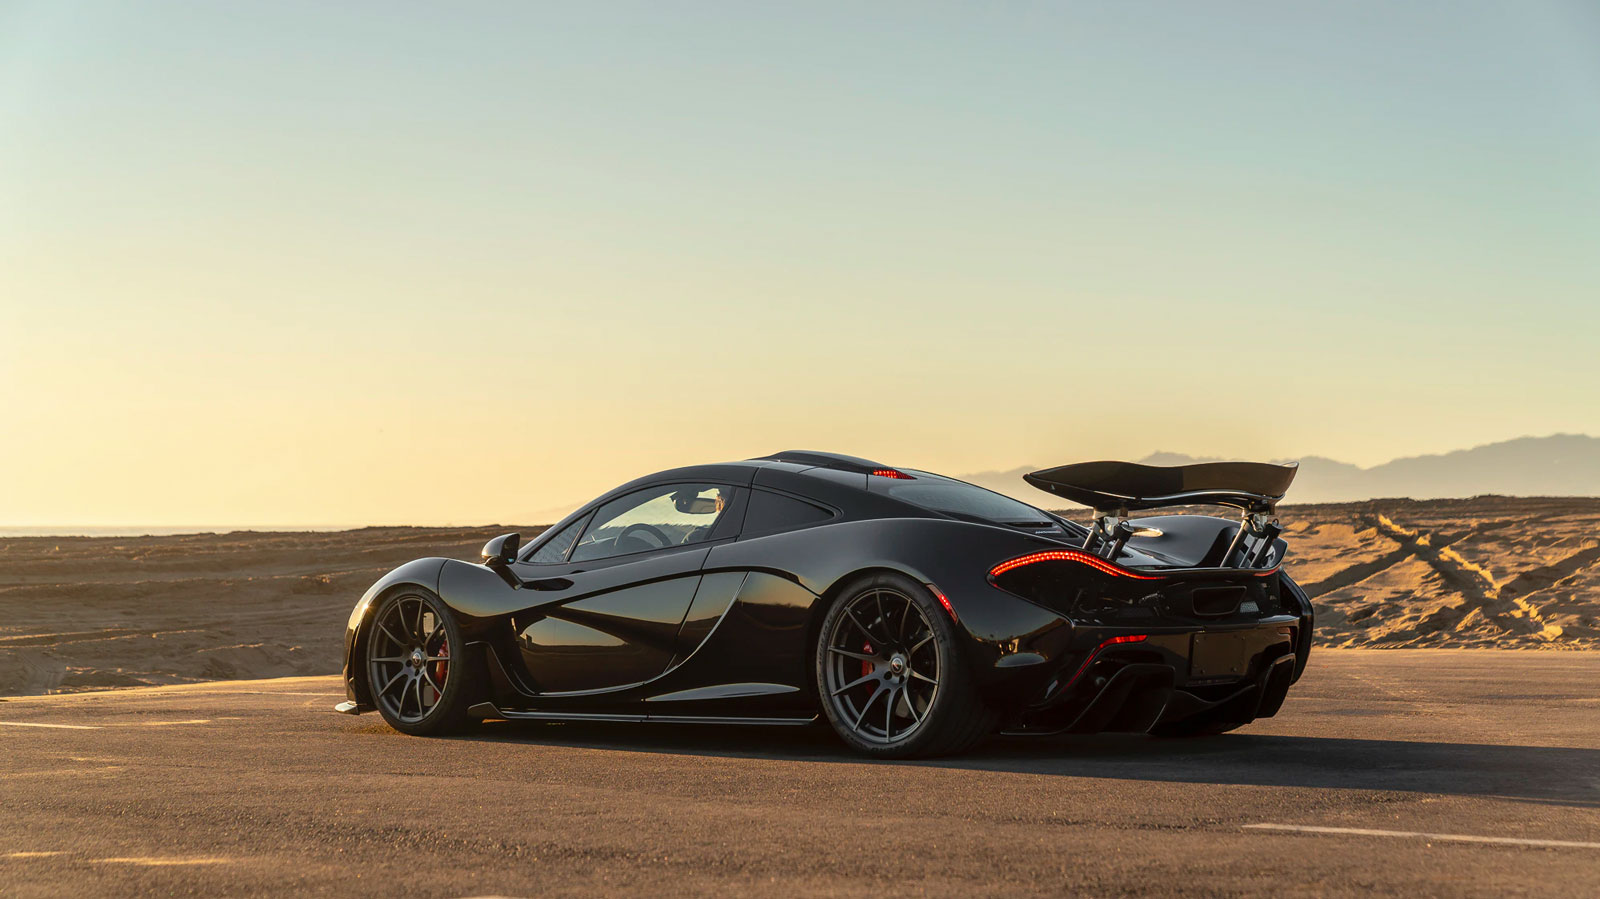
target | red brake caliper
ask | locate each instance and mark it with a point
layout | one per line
(441, 669)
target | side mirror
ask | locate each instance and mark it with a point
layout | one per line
(502, 550)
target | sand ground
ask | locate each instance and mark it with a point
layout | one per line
(94, 613)
(91, 613)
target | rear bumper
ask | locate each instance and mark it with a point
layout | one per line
(1121, 680)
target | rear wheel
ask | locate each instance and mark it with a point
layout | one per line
(414, 670)
(891, 676)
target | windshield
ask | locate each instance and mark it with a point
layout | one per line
(941, 494)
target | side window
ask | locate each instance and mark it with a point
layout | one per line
(555, 549)
(654, 518)
(770, 512)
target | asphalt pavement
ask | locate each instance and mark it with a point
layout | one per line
(1427, 772)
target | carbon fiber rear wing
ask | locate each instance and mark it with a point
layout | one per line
(1117, 488)
(1114, 489)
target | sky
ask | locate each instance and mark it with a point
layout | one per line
(311, 263)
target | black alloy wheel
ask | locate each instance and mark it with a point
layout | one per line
(414, 657)
(890, 675)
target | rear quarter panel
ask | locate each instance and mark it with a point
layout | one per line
(1004, 632)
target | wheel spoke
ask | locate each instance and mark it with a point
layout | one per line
(417, 681)
(911, 706)
(403, 620)
(436, 687)
(401, 625)
(391, 659)
(398, 674)
(865, 678)
(854, 655)
(923, 677)
(888, 716)
(883, 617)
(422, 607)
(920, 643)
(390, 635)
(870, 635)
(863, 712)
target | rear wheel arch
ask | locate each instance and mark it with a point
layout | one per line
(1308, 616)
(957, 717)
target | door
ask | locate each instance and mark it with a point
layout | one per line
(614, 592)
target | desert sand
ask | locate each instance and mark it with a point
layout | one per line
(1487, 572)
(95, 613)
(83, 613)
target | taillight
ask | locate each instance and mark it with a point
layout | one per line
(1070, 555)
(891, 473)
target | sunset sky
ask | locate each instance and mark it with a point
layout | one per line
(312, 263)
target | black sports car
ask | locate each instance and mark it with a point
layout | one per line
(916, 613)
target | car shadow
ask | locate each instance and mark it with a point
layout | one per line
(1551, 775)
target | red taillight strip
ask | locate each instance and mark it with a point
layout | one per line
(945, 601)
(1069, 555)
(1095, 653)
(891, 473)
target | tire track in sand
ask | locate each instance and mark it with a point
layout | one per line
(1475, 583)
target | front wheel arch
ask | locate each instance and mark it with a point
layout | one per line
(357, 653)
(455, 691)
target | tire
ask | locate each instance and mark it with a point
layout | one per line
(416, 664)
(892, 677)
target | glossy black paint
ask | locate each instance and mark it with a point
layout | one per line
(502, 550)
(724, 629)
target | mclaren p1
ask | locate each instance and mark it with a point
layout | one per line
(914, 613)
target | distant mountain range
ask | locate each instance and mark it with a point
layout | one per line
(1558, 465)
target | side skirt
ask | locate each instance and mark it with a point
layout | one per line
(490, 710)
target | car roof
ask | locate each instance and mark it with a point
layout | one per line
(833, 479)
(743, 472)
(815, 459)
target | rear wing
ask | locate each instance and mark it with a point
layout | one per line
(1113, 489)
(1117, 488)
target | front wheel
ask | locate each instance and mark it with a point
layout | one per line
(891, 676)
(415, 667)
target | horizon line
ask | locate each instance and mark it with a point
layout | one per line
(9, 532)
